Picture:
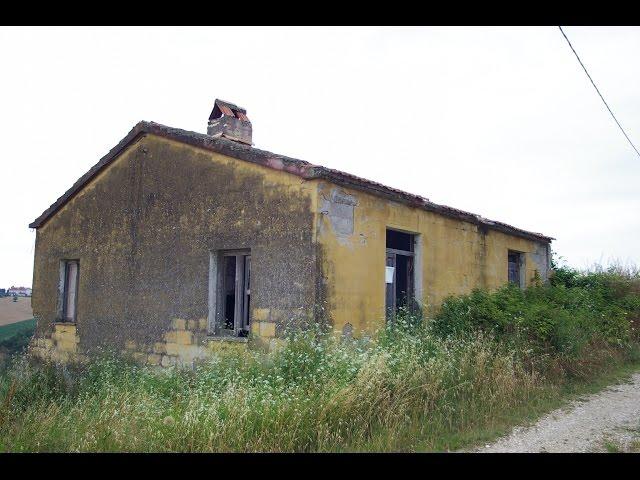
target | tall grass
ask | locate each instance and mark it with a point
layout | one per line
(413, 386)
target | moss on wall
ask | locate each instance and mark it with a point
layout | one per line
(143, 230)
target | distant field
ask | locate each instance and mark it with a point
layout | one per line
(15, 337)
(11, 311)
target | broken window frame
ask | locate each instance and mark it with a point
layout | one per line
(242, 292)
(67, 295)
(520, 265)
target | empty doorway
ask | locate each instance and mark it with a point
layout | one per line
(399, 272)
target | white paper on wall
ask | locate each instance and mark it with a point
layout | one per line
(388, 274)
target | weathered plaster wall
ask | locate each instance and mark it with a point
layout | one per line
(453, 257)
(143, 230)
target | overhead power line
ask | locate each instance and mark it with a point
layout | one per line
(594, 86)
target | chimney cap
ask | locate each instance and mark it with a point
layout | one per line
(230, 121)
(223, 108)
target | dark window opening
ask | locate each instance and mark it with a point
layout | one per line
(399, 240)
(229, 292)
(399, 272)
(514, 263)
(70, 290)
(236, 292)
(403, 275)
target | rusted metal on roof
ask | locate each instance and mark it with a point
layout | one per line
(294, 166)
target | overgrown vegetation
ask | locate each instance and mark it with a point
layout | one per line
(580, 313)
(484, 361)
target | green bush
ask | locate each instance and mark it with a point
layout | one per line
(575, 310)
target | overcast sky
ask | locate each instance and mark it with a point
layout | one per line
(498, 121)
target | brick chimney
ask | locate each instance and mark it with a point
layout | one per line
(229, 121)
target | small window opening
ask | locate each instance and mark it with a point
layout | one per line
(236, 293)
(71, 272)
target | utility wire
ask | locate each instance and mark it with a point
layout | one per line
(594, 86)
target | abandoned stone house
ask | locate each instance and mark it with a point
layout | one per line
(177, 244)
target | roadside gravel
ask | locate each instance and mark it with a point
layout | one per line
(605, 421)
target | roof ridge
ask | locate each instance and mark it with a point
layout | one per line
(298, 167)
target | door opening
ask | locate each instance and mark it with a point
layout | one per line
(514, 268)
(399, 275)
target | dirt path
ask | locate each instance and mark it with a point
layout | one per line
(606, 421)
(11, 311)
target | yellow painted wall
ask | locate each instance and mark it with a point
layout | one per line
(452, 257)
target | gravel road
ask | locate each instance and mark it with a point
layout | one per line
(610, 417)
